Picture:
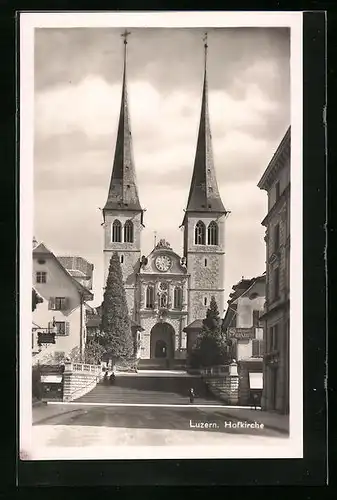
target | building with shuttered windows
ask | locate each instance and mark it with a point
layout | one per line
(276, 182)
(62, 312)
(242, 325)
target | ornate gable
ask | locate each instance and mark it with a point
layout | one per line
(163, 260)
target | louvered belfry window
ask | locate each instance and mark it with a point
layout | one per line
(128, 232)
(116, 236)
(212, 233)
(200, 233)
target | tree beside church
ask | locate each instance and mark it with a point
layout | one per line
(211, 347)
(116, 336)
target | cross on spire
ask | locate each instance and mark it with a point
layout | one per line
(125, 36)
(205, 38)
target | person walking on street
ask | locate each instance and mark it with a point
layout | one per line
(112, 378)
(192, 395)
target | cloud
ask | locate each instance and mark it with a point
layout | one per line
(77, 102)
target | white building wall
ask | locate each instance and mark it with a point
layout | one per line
(58, 285)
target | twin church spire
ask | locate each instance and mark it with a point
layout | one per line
(123, 193)
(204, 194)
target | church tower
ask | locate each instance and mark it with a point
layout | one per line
(122, 213)
(204, 223)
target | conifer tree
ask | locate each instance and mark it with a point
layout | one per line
(116, 336)
(210, 348)
(36, 299)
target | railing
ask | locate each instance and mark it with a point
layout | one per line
(216, 370)
(81, 367)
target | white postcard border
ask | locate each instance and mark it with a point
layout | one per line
(291, 447)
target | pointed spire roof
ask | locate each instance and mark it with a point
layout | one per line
(123, 193)
(204, 194)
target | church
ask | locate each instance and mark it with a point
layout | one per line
(168, 294)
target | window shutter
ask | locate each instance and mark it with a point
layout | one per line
(51, 304)
(67, 328)
(255, 347)
(256, 316)
(261, 348)
(50, 325)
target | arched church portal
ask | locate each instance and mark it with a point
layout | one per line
(162, 341)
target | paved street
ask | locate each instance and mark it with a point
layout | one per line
(201, 420)
(147, 410)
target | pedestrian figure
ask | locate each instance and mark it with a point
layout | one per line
(112, 378)
(192, 395)
(105, 378)
(256, 400)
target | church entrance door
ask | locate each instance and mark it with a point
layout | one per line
(160, 349)
(162, 341)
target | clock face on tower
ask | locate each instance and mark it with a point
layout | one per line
(163, 263)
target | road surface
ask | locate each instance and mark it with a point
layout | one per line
(146, 411)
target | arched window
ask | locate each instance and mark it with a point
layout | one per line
(150, 297)
(163, 300)
(116, 236)
(199, 233)
(212, 233)
(178, 298)
(128, 232)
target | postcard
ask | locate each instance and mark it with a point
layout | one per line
(161, 244)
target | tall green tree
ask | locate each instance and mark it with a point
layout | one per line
(116, 336)
(210, 348)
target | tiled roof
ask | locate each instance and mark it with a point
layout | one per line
(41, 249)
(197, 324)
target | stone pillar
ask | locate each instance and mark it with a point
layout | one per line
(233, 396)
(185, 299)
(156, 297)
(142, 299)
(170, 297)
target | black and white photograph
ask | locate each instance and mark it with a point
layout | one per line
(160, 244)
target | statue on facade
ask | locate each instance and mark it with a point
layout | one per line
(163, 244)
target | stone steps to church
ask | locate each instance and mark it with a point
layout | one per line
(149, 390)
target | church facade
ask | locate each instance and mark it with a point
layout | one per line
(166, 292)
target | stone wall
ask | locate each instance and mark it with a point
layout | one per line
(77, 383)
(226, 388)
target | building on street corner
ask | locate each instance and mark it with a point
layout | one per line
(276, 181)
(243, 327)
(62, 311)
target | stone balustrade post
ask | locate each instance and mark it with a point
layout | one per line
(233, 395)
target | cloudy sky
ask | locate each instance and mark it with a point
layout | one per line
(77, 99)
